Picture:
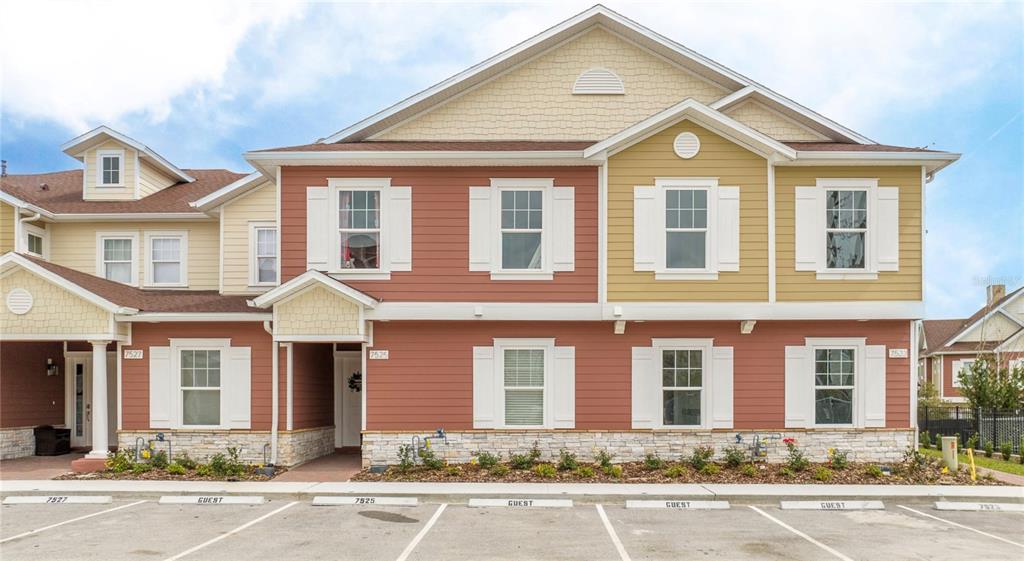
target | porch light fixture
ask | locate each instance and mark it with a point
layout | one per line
(51, 368)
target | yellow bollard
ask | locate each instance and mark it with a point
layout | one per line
(970, 456)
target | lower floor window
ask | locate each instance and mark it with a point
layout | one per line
(682, 373)
(200, 387)
(833, 386)
(524, 386)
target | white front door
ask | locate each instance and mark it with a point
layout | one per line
(348, 403)
(79, 399)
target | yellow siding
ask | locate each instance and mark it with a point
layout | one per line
(55, 311)
(259, 205)
(718, 157)
(127, 189)
(6, 228)
(535, 101)
(317, 311)
(905, 284)
(74, 245)
(764, 120)
(152, 180)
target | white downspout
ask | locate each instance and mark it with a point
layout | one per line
(273, 393)
(18, 243)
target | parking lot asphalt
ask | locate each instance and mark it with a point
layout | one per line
(129, 529)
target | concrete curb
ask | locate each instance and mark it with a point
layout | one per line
(462, 490)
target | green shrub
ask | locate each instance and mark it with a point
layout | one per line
(938, 441)
(204, 470)
(121, 461)
(734, 456)
(534, 452)
(795, 459)
(873, 471)
(486, 460)
(1006, 449)
(567, 460)
(710, 469)
(545, 470)
(586, 472)
(185, 461)
(926, 439)
(176, 469)
(675, 472)
(140, 468)
(652, 462)
(499, 470)
(838, 459)
(972, 442)
(453, 471)
(603, 458)
(749, 470)
(227, 465)
(700, 457)
(219, 464)
(520, 461)
(430, 459)
(159, 460)
(989, 449)
(785, 471)
(823, 474)
(405, 457)
(615, 472)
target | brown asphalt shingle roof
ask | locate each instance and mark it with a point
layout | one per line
(939, 332)
(64, 192)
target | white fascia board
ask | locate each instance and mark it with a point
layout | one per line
(306, 280)
(1010, 340)
(934, 161)
(732, 99)
(71, 149)
(13, 259)
(228, 192)
(699, 113)
(158, 317)
(16, 202)
(487, 311)
(704, 311)
(129, 216)
(999, 310)
(422, 157)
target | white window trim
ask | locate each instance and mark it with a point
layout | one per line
(548, 346)
(99, 167)
(706, 347)
(382, 185)
(178, 345)
(254, 280)
(859, 346)
(545, 186)
(958, 365)
(710, 269)
(183, 236)
(1017, 362)
(870, 270)
(100, 262)
(43, 233)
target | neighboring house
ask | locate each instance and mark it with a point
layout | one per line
(597, 238)
(995, 332)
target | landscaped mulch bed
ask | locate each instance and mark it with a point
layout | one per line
(162, 475)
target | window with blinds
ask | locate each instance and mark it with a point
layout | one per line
(524, 387)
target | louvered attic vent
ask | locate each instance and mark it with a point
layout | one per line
(598, 81)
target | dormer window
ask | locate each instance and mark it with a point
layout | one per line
(110, 168)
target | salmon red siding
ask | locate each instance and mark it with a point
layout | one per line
(427, 381)
(312, 385)
(29, 397)
(440, 234)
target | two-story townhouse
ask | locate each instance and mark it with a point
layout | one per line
(595, 239)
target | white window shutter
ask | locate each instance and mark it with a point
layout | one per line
(646, 404)
(563, 228)
(646, 227)
(400, 223)
(564, 388)
(160, 387)
(799, 388)
(481, 232)
(483, 388)
(318, 229)
(721, 387)
(809, 217)
(873, 382)
(887, 231)
(728, 229)
(236, 388)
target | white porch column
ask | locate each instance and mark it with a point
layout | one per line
(100, 445)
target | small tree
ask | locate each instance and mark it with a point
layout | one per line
(928, 396)
(985, 384)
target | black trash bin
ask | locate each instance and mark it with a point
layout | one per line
(51, 441)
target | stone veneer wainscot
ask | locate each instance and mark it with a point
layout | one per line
(294, 447)
(17, 443)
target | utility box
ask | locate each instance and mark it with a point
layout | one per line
(950, 453)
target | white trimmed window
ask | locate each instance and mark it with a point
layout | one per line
(35, 240)
(200, 383)
(116, 257)
(682, 375)
(959, 366)
(524, 383)
(167, 259)
(847, 229)
(682, 383)
(263, 261)
(1016, 363)
(834, 377)
(835, 382)
(359, 227)
(200, 387)
(109, 168)
(522, 229)
(686, 228)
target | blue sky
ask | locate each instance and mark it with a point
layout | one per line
(201, 82)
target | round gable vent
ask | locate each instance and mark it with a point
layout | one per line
(19, 301)
(686, 145)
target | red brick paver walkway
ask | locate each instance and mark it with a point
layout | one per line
(37, 467)
(338, 467)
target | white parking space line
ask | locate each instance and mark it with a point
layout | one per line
(958, 525)
(611, 532)
(426, 528)
(801, 534)
(44, 528)
(232, 532)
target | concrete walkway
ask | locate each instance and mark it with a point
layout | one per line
(333, 468)
(37, 467)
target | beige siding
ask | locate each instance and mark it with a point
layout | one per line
(996, 328)
(905, 284)
(152, 180)
(764, 120)
(74, 245)
(535, 100)
(259, 205)
(317, 311)
(6, 228)
(718, 157)
(127, 189)
(55, 311)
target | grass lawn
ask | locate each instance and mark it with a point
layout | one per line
(980, 460)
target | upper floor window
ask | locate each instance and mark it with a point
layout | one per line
(522, 229)
(686, 228)
(34, 240)
(115, 258)
(167, 259)
(263, 254)
(110, 167)
(359, 229)
(846, 228)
